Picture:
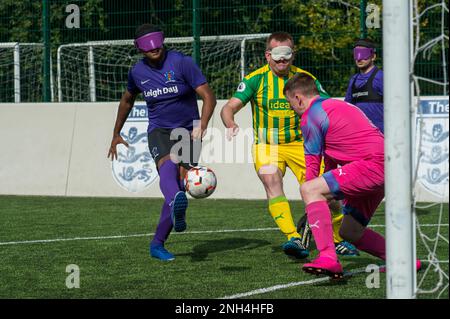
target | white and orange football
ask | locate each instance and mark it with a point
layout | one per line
(200, 182)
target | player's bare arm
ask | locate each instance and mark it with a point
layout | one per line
(233, 106)
(125, 106)
(209, 103)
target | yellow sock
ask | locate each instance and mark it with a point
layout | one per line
(337, 218)
(281, 212)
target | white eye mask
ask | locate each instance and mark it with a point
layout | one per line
(281, 52)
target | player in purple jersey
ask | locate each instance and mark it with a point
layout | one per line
(169, 82)
(365, 89)
(353, 151)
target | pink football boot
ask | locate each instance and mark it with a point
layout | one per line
(325, 266)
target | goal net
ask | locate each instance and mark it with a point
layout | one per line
(21, 72)
(97, 71)
(431, 154)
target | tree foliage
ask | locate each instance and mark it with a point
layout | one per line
(324, 30)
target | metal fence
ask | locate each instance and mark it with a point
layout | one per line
(97, 71)
(324, 32)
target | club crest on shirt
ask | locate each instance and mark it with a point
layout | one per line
(433, 171)
(169, 76)
(134, 170)
(241, 87)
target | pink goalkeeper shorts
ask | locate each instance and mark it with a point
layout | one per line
(361, 186)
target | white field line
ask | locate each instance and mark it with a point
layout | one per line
(277, 287)
(41, 241)
(289, 285)
(45, 241)
(303, 283)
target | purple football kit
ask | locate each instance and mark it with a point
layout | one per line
(169, 90)
(366, 92)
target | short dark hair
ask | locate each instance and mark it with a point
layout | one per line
(302, 82)
(146, 28)
(367, 43)
(279, 36)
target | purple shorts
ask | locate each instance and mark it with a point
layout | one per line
(361, 186)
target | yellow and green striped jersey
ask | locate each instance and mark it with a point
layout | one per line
(274, 122)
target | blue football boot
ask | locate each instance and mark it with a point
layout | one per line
(159, 252)
(344, 248)
(294, 247)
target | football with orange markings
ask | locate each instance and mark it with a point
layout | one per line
(200, 182)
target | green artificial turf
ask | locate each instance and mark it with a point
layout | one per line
(230, 247)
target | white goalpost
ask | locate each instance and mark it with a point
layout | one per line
(16, 58)
(400, 265)
(20, 69)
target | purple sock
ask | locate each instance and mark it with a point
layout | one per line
(164, 227)
(169, 180)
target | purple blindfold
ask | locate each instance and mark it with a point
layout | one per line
(149, 41)
(362, 53)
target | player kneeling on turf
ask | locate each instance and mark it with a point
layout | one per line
(353, 152)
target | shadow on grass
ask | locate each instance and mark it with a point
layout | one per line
(330, 283)
(432, 211)
(276, 249)
(358, 265)
(200, 252)
(353, 263)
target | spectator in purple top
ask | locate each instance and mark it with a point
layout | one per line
(169, 82)
(365, 88)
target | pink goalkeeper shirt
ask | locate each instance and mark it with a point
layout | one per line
(341, 133)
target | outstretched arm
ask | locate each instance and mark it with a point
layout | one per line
(125, 106)
(233, 106)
